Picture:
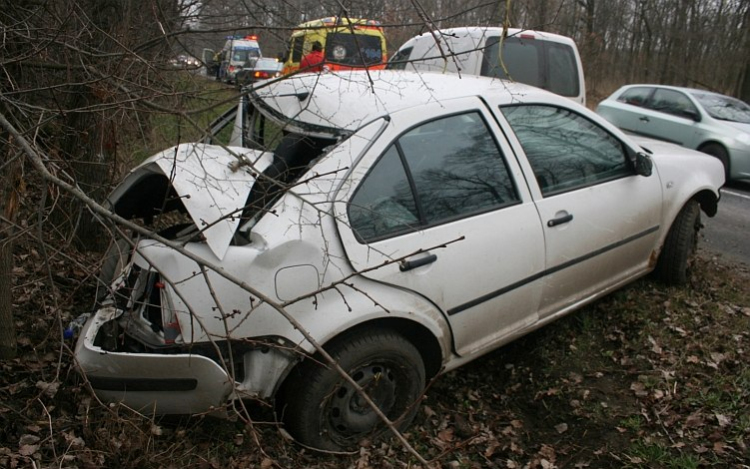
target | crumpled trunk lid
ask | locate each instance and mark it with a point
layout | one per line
(205, 181)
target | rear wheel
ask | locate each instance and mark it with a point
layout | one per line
(673, 266)
(718, 151)
(322, 410)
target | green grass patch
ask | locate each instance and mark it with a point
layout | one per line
(184, 115)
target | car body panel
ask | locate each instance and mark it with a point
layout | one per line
(192, 381)
(485, 305)
(598, 246)
(200, 173)
(683, 174)
(302, 103)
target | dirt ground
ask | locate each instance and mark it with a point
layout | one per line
(648, 377)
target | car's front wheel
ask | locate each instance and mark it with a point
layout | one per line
(322, 410)
(673, 266)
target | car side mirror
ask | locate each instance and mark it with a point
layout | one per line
(644, 166)
(690, 114)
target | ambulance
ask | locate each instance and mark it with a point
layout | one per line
(238, 52)
(348, 43)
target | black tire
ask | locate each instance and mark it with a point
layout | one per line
(718, 151)
(321, 410)
(673, 266)
(114, 259)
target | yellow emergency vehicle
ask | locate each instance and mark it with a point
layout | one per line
(348, 43)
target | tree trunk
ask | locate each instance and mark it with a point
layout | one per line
(90, 152)
(9, 201)
(744, 93)
(90, 143)
(744, 89)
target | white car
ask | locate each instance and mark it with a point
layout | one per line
(407, 224)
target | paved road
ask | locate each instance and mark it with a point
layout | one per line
(728, 233)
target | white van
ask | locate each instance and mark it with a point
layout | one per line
(537, 58)
(238, 52)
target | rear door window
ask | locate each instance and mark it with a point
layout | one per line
(563, 70)
(522, 60)
(440, 171)
(545, 64)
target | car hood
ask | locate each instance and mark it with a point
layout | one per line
(660, 147)
(739, 126)
(203, 180)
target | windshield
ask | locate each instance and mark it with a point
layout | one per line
(354, 50)
(723, 107)
(243, 55)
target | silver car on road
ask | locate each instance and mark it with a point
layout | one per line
(709, 122)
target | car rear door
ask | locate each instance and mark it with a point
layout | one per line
(601, 220)
(435, 207)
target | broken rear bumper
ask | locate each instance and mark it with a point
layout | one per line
(156, 383)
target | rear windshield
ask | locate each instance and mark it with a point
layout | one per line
(353, 50)
(544, 64)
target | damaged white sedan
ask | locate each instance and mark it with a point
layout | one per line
(405, 223)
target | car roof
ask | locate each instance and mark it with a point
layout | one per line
(670, 87)
(481, 31)
(337, 104)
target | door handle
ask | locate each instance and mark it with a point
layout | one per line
(644, 119)
(408, 265)
(560, 220)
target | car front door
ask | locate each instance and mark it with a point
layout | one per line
(601, 220)
(436, 207)
(628, 111)
(670, 116)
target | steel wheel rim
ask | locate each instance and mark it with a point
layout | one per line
(349, 415)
